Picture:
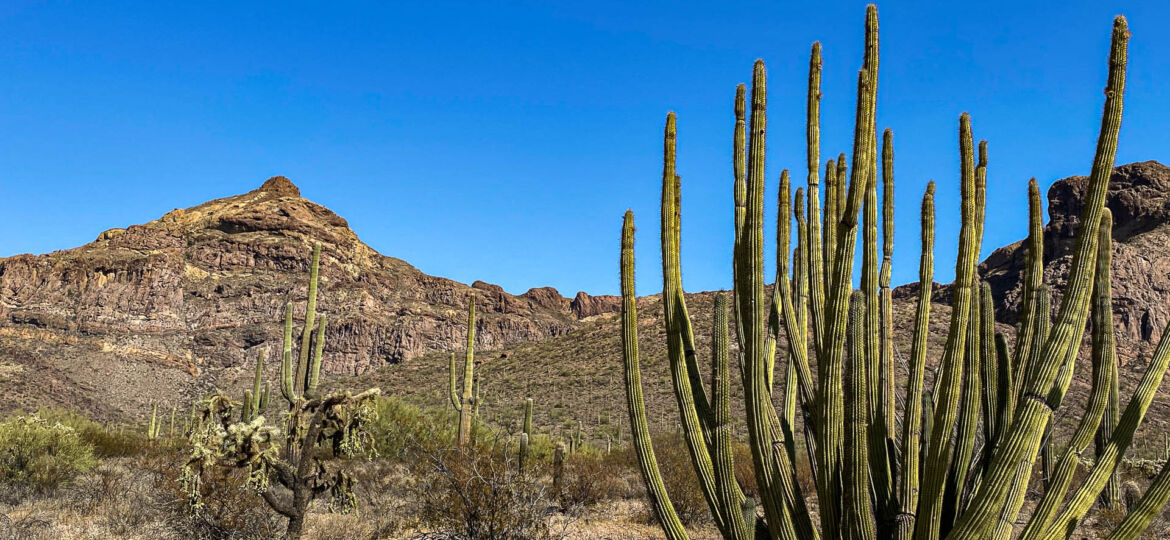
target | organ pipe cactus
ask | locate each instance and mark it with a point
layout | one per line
(934, 481)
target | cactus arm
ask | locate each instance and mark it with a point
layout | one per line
(842, 174)
(950, 376)
(912, 419)
(970, 399)
(310, 321)
(694, 410)
(878, 438)
(246, 414)
(1110, 456)
(857, 516)
(1111, 498)
(889, 374)
(528, 416)
(1104, 353)
(869, 288)
(256, 390)
(739, 190)
(727, 491)
(1034, 413)
(750, 308)
(814, 254)
(829, 245)
(739, 158)
(314, 372)
(452, 393)
(1006, 393)
(781, 287)
(1147, 509)
(467, 402)
(643, 447)
(992, 402)
(800, 303)
(287, 389)
(1033, 279)
(151, 427)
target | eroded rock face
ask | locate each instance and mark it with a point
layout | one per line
(585, 305)
(200, 290)
(1138, 198)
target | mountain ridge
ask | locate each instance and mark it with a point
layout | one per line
(167, 310)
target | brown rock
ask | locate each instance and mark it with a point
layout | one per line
(585, 305)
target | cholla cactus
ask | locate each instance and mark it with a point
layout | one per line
(937, 483)
(284, 460)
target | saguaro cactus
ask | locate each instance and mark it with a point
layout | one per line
(526, 433)
(941, 486)
(468, 403)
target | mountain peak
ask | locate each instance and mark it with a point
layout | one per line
(279, 185)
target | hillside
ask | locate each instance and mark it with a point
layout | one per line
(166, 310)
(577, 377)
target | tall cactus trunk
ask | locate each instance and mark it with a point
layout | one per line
(467, 401)
(643, 447)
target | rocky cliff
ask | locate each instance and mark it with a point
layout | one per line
(184, 302)
(1139, 198)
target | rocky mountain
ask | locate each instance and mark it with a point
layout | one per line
(164, 310)
(1139, 198)
(167, 310)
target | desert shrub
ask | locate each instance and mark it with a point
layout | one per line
(745, 472)
(106, 440)
(479, 493)
(40, 455)
(678, 475)
(402, 428)
(590, 478)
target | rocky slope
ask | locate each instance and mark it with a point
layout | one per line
(570, 391)
(166, 309)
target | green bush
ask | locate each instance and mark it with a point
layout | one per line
(41, 455)
(401, 428)
(107, 441)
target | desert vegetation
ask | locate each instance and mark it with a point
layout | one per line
(958, 461)
(822, 438)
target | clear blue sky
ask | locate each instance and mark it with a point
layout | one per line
(503, 141)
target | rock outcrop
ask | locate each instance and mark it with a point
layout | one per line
(1139, 198)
